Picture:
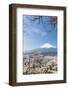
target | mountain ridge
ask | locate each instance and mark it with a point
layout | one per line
(42, 50)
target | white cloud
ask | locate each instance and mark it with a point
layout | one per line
(43, 34)
(47, 45)
(39, 32)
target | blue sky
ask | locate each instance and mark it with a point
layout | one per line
(38, 34)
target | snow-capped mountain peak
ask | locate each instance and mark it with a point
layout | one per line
(47, 45)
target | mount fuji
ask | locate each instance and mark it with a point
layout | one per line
(44, 49)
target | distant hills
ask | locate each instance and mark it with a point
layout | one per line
(42, 51)
(46, 50)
